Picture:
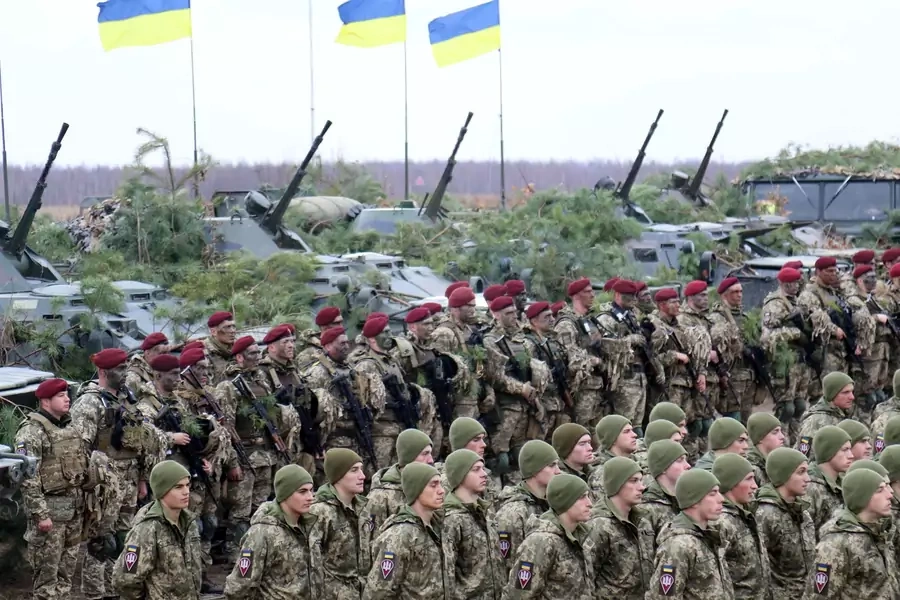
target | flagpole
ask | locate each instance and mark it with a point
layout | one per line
(405, 128)
(194, 110)
(502, 158)
(312, 108)
(3, 136)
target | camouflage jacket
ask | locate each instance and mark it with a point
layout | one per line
(690, 563)
(508, 373)
(883, 413)
(279, 374)
(614, 322)
(138, 372)
(516, 506)
(700, 324)
(470, 543)
(219, 357)
(706, 461)
(818, 416)
(854, 560)
(745, 554)
(621, 552)
(727, 333)
(570, 370)
(219, 450)
(407, 561)
(552, 563)
(584, 473)
(342, 536)
(277, 560)
(693, 341)
(160, 561)
(491, 492)
(657, 507)
(824, 496)
(586, 345)
(758, 461)
(452, 338)
(814, 302)
(310, 349)
(863, 321)
(789, 537)
(595, 480)
(386, 497)
(777, 325)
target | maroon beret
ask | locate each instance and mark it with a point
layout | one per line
(640, 285)
(578, 286)
(895, 271)
(609, 284)
(695, 287)
(492, 292)
(109, 358)
(433, 307)
(376, 315)
(276, 333)
(515, 287)
(789, 275)
(289, 326)
(327, 315)
(666, 294)
(556, 307)
(164, 362)
(537, 308)
(455, 286)
(329, 335)
(153, 340)
(50, 388)
(373, 327)
(500, 303)
(461, 297)
(727, 283)
(864, 256)
(624, 286)
(217, 318)
(420, 313)
(241, 344)
(195, 344)
(861, 270)
(826, 262)
(793, 264)
(890, 254)
(191, 358)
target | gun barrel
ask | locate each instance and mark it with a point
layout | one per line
(433, 208)
(624, 190)
(693, 191)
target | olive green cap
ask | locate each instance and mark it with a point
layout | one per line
(856, 430)
(724, 432)
(693, 486)
(730, 469)
(892, 432)
(662, 454)
(781, 464)
(609, 428)
(463, 430)
(659, 430)
(890, 460)
(616, 471)
(458, 465)
(288, 480)
(534, 456)
(897, 383)
(858, 488)
(563, 492)
(338, 461)
(165, 476)
(414, 478)
(833, 383)
(668, 411)
(828, 441)
(761, 424)
(410, 444)
(566, 436)
(867, 463)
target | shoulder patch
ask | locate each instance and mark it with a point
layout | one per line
(20, 448)
(387, 565)
(370, 524)
(245, 563)
(505, 544)
(524, 575)
(822, 577)
(132, 553)
(879, 443)
(667, 580)
(804, 445)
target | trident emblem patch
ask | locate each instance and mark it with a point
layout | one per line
(804, 445)
(505, 544)
(667, 579)
(823, 576)
(387, 565)
(524, 575)
(245, 563)
(132, 552)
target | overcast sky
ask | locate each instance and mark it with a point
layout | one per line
(582, 79)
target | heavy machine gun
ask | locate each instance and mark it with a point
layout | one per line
(432, 205)
(692, 191)
(623, 190)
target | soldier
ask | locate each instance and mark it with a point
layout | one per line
(617, 438)
(386, 496)
(161, 559)
(553, 561)
(538, 464)
(161, 390)
(833, 458)
(657, 430)
(785, 526)
(785, 330)
(515, 289)
(694, 319)
(645, 304)
(139, 372)
(866, 364)
(860, 439)
(572, 443)
(327, 318)
(343, 526)
(492, 292)
(53, 498)
(889, 258)
(889, 299)
(278, 559)
(815, 302)
(854, 557)
(766, 435)
(622, 543)
(726, 436)
(667, 461)
(745, 554)
(890, 461)
(690, 562)
(736, 380)
(222, 332)
(469, 537)
(835, 405)
(469, 434)
(407, 556)
(556, 307)
(861, 259)
(884, 412)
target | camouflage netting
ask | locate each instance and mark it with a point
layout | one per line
(87, 230)
(876, 160)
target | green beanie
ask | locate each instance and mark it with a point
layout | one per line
(890, 460)
(414, 478)
(781, 464)
(858, 488)
(856, 430)
(761, 424)
(833, 383)
(534, 456)
(730, 469)
(410, 443)
(165, 476)
(724, 432)
(458, 465)
(692, 486)
(565, 437)
(659, 430)
(667, 411)
(338, 461)
(828, 441)
(662, 454)
(867, 463)
(564, 491)
(462, 431)
(288, 480)
(892, 432)
(609, 428)
(897, 383)
(616, 472)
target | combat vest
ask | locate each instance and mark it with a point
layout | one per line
(344, 425)
(130, 447)
(384, 366)
(246, 420)
(518, 363)
(280, 375)
(64, 464)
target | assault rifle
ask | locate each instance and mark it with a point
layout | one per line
(891, 319)
(309, 432)
(558, 369)
(170, 420)
(404, 405)
(628, 319)
(476, 338)
(843, 318)
(244, 390)
(122, 418)
(210, 404)
(519, 373)
(756, 356)
(691, 371)
(441, 385)
(809, 346)
(362, 416)
(725, 376)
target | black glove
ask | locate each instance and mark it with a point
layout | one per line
(285, 395)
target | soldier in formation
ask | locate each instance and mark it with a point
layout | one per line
(139, 372)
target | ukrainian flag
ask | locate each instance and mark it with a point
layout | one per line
(371, 23)
(126, 23)
(465, 34)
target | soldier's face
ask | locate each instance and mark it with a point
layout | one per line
(880, 504)
(583, 453)
(283, 349)
(645, 300)
(581, 510)
(544, 476)
(670, 308)
(632, 491)
(699, 301)
(867, 283)
(740, 445)
(543, 322)
(844, 398)
(300, 501)
(467, 312)
(791, 288)
(862, 449)
(426, 456)
(842, 460)
(339, 349)
(710, 508)
(477, 445)
(677, 437)
(683, 427)
(168, 380)
(676, 469)
(744, 492)
(201, 371)
(828, 276)
(774, 439)
(507, 317)
(476, 479)
(585, 296)
(58, 405)
(116, 377)
(250, 357)
(385, 341)
(155, 351)
(354, 481)
(432, 497)
(423, 329)
(626, 300)
(520, 300)
(179, 497)
(798, 481)
(734, 296)
(225, 333)
(627, 440)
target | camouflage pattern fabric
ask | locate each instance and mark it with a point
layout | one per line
(138, 372)
(219, 357)
(470, 542)
(821, 414)
(583, 348)
(789, 537)
(556, 412)
(279, 375)
(630, 394)
(451, 337)
(621, 552)
(515, 508)
(814, 302)
(726, 332)
(884, 412)
(386, 497)
(758, 461)
(823, 495)
(745, 554)
(657, 508)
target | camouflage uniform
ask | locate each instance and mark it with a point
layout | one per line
(491, 492)
(552, 563)
(451, 337)
(407, 561)
(515, 507)
(161, 560)
(54, 493)
(854, 560)
(884, 412)
(889, 299)
(386, 497)
(824, 496)
(621, 552)
(690, 563)
(657, 508)
(277, 560)
(470, 542)
(138, 373)
(219, 357)
(758, 462)
(311, 350)
(699, 327)
(814, 302)
(557, 410)
(279, 375)
(865, 369)
(821, 414)
(745, 553)
(584, 473)
(877, 361)
(789, 537)
(595, 480)
(343, 535)
(727, 335)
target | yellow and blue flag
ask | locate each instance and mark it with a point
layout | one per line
(126, 23)
(465, 34)
(371, 23)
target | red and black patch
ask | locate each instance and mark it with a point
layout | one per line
(370, 524)
(822, 577)
(667, 580)
(805, 445)
(524, 575)
(132, 554)
(20, 448)
(879, 443)
(388, 563)
(505, 544)
(245, 563)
